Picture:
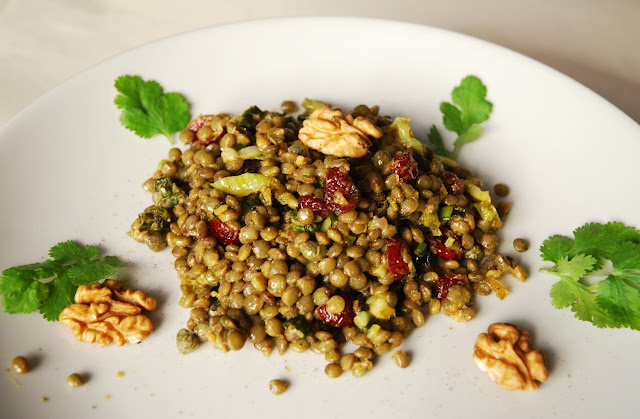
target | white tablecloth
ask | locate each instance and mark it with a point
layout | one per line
(44, 42)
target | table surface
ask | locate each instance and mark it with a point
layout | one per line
(44, 42)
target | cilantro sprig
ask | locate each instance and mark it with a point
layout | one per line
(612, 301)
(463, 117)
(51, 285)
(147, 110)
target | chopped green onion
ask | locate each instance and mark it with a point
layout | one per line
(444, 213)
(244, 184)
(420, 249)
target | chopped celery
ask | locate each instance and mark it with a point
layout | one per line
(476, 193)
(251, 152)
(244, 184)
(326, 224)
(311, 105)
(246, 153)
(486, 210)
(379, 307)
(373, 331)
(430, 221)
(362, 319)
(405, 136)
(496, 286)
(393, 204)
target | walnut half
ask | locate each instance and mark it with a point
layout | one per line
(330, 132)
(505, 354)
(109, 313)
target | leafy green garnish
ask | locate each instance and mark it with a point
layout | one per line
(463, 116)
(51, 285)
(147, 110)
(610, 302)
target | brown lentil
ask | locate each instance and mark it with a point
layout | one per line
(520, 245)
(333, 370)
(401, 359)
(501, 190)
(75, 380)
(278, 386)
(20, 365)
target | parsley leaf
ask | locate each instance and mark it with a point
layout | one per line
(469, 109)
(147, 110)
(436, 142)
(51, 285)
(610, 302)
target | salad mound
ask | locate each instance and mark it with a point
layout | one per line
(310, 230)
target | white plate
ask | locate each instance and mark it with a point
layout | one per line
(70, 171)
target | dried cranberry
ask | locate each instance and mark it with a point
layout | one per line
(199, 122)
(223, 232)
(452, 183)
(405, 166)
(310, 202)
(446, 281)
(443, 251)
(337, 182)
(342, 319)
(396, 248)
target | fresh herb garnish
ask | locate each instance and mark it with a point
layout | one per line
(51, 285)
(147, 110)
(610, 302)
(463, 116)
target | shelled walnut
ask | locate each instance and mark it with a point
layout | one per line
(109, 313)
(505, 354)
(330, 132)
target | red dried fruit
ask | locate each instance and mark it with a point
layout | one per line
(341, 194)
(223, 232)
(443, 251)
(446, 281)
(199, 122)
(405, 166)
(396, 264)
(310, 202)
(452, 183)
(342, 319)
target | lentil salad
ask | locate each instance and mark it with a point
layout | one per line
(279, 245)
